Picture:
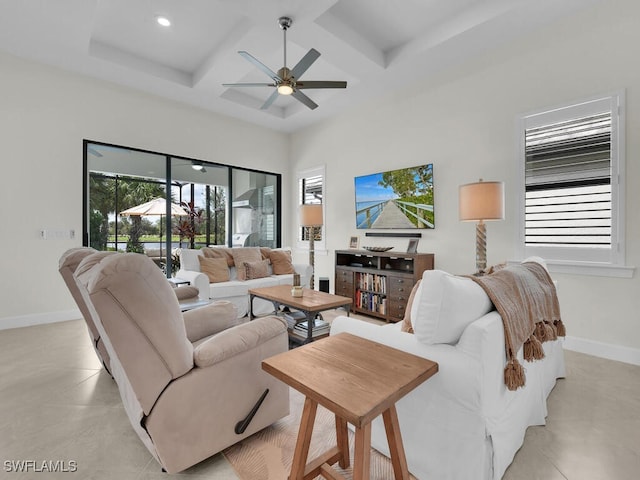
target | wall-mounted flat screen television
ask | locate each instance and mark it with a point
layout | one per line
(395, 199)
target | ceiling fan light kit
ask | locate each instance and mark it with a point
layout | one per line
(285, 89)
(287, 81)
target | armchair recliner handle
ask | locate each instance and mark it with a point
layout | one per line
(242, 425)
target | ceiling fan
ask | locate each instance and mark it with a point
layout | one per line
(287, 81)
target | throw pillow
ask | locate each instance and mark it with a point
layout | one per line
(256, 269)
(215, 268)
(245, 254)
(281, 262)
(445, 305)
(406, 321)
(184, 292)
(219, 252)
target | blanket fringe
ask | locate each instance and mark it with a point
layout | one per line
(540, 332)
(552, 332)
(560, 328)
(514, 376)
(532, 349)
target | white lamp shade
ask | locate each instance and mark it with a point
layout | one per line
(311, 215)
(481, 201)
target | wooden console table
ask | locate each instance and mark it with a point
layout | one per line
(357, 380)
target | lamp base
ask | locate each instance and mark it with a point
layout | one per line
(312, 260)
(481, 248)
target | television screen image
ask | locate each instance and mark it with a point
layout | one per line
(396, 199)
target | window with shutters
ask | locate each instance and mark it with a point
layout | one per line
(571, 161)
(310, 186)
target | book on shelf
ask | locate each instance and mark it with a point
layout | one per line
(372, 302)
(371, 282)
(314, 334)
(293, 317)
(317, 324)
(320, 327)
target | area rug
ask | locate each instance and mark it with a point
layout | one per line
(267, 455)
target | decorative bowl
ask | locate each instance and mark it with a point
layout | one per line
(378, 249)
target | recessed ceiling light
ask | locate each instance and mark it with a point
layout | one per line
(164, 21)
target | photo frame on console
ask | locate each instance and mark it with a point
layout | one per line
(413, 245)
(354, 242)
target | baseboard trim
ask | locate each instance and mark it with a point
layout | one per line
(603, 350)
(39, 319)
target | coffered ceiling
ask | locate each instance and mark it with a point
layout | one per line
(377, 46)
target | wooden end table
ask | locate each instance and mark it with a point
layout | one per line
(311, 303)
(357, 380)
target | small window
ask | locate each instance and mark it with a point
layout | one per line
(311, 191)
(571, 164)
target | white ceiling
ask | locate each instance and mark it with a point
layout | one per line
(374, 45)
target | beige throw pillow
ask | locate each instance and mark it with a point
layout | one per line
(215, 268)
(219, 252)
(184, 292)
(406, 322)
(265, 252)
(281, 262)
(242, 255)
(256, 269)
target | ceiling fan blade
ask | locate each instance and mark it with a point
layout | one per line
(321, 84)
(248, 84)
(270, 100)
(274, 76)
(301, 97)
(306, 61)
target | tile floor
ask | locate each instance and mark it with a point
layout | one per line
(56, 403)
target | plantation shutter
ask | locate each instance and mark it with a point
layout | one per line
(568, 182)
(312, 189)
(572, 152)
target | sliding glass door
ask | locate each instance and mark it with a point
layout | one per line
(201, 189)
(152, 203)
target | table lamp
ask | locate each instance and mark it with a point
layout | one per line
(311, 218)
(479, 202)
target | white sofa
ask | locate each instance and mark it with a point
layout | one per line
(463, 423)
(234, 290)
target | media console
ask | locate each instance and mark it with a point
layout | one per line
(379, 282)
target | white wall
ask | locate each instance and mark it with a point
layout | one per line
(44, 116)
(464, 123)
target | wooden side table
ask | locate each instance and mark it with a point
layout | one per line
(357, 380)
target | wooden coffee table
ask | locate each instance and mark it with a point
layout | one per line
(311, 304)
(357, 380)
